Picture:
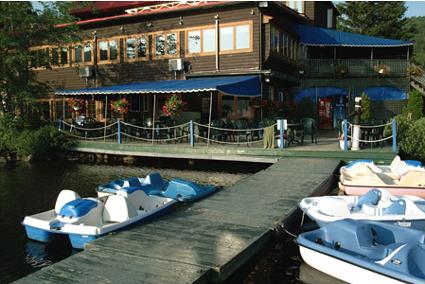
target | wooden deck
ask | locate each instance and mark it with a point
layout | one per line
(206, 241)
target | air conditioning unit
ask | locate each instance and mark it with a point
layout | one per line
(85, 72)
(175, 64)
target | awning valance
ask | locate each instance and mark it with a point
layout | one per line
(319, 92)
(385, 93)
(246, 86)
(316, 36)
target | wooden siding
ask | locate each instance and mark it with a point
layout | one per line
(157, 69)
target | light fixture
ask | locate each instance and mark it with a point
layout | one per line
(148, 25)
(181, 21)
(252, 12)
(267, 79)
(381, 71)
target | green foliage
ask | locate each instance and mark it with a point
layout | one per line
(45, 143)
(414, 107)
(403, 124)
(413, 143)
(365, 116)
(375, 18)
(306, 108)
(22, 27)
(8, 134)
(415, 31)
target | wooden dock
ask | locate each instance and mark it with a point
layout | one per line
(206, 241)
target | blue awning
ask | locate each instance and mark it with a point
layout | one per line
(246, 86)
(319, 92)
(385, 93)
(315, 36)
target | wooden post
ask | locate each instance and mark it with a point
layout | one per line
(106, 117)
(191, 136)
(394, 128)
(209, 120)
(63, 112)
(345, 129)
(153, 117)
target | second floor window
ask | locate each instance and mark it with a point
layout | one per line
(136, 48)
(201, 41)
(83, 53)
(59, 56)
(108, 50)
(166, 44)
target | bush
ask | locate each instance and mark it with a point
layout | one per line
(413, 143)
(414, 107)
(365, 116)
(43, 144)
(8, 135)
(403, 124)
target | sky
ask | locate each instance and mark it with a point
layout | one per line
(415, 8)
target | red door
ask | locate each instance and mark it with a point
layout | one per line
(325, 113)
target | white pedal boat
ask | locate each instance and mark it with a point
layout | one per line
(376, 205)
(86, 219)
(366, 252)
(400, 178)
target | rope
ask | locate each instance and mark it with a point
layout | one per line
(92, 138)
(155, 140)
(229, 143)
(371, 141)
(231, 129)
(371, 126)
(87, 129)
(155, 128)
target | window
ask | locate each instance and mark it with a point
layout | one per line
(208, 40)
(329, 22)
(108, 51)
(296, 5)
(136, 48)
(59, 56)
(83, 53)
(226, 38)
(243, 39)
(194, 41)
(166, 44)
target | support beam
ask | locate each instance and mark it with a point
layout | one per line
(209, 119)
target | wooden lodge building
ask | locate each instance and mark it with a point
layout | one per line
(291, 48)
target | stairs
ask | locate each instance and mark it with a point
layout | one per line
(417, 80)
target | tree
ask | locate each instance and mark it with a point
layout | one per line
(415, 31)
(23, 26)
(374, 18)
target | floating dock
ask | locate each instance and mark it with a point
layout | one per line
(207, 241)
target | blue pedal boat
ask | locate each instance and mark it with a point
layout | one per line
(366, 252)
(86, 219)
(153, 184)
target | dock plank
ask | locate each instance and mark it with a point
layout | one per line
(200, 242)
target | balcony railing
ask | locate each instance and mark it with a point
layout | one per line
(340, 68)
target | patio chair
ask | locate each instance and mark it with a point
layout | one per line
(217, 134)
(242, 124)
(309, 128)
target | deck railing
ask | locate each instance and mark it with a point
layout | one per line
(340, 68)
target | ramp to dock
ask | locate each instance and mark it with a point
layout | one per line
(206, 241)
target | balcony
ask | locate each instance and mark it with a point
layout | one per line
(342, 68)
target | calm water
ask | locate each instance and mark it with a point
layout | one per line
(26, 190)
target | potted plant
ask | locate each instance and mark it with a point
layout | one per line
(341, 70)
(172, 106)
(120, 106)
(382, 69)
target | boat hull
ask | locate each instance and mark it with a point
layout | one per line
(342, 270)
(362, 189)
(37, 234)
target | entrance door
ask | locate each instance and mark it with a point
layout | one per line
(325, 113)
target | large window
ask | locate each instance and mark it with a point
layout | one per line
(296, 5)
(59, 56)
(83, 53)
(108, 50)
(281, 42)
(234, 37)
(136, 48)
(166, 44)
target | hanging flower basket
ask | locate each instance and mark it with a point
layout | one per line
(341, 70)
(173, 106)
(76, 104)
(120, 106)
(382, 69)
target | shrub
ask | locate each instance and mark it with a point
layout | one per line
(413, 143)
(403, 124)
(8, 135)
(46, 143)
(365, 116)
(414, 107)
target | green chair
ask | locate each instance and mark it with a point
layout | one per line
(309, 128)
